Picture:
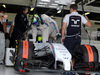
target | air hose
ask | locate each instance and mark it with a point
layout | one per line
(84, 25)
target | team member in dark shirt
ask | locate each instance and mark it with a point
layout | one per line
(20, 26)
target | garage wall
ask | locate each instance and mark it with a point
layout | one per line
(11, 16)
(58, 20)
(92, 31)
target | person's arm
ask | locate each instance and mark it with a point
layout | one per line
(88, 23)
(0, 18)
(63, 31)
(11, 30)
(4, 27)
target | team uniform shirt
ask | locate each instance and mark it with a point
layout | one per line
(1, 15)
(74, 22)
(73, 30)
(1, 22)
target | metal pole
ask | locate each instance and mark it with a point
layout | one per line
(62, 17)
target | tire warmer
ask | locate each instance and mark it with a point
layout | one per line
(90, 56)
(25, 54)
(90, 53)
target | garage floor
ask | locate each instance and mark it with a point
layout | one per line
(10, 71)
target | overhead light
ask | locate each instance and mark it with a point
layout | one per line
(42, 3)
(59, 11)
(87, 13)
(4, 6)
(31, 9)
(55, 4)
(73, 3)
(46, 0)
(56, 1)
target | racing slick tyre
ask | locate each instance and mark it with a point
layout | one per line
(88, 55)
(24, 51)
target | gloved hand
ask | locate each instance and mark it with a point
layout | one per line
(58, 36)
(7, 36)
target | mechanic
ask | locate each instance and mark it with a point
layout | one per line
(3, 27)
(20, 27)
(47, 26)
(71, 29)
(3, 33)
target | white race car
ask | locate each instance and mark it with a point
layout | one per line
(53, 56)
(27, 55)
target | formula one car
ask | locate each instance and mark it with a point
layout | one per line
(54, 56)
(41, 55)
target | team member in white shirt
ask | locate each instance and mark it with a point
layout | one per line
(3, 20)
(3, 32)
(71, 29)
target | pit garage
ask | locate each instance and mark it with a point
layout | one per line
(50, 58)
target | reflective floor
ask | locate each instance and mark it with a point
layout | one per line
(10, 71)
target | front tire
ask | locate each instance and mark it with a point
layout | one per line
(18, 62)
